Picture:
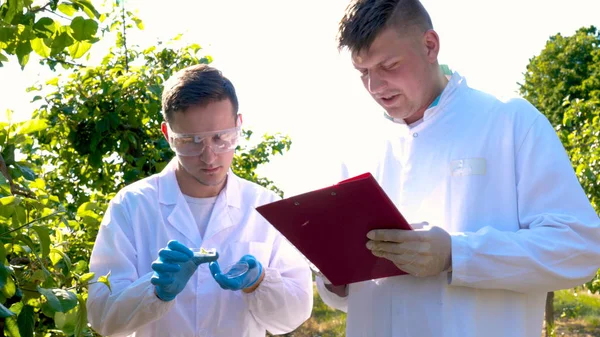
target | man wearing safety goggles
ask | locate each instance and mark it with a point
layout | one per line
(150, 228)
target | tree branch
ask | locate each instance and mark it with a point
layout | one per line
(66, 62)
(4, 170)
(43, 8)
(32, 222)
(59, 15)
(125, 37)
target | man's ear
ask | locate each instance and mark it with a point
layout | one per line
(431, 41)
(165, 130)
(241, 119)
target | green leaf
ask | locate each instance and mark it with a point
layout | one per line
(60, 300)
(46, 27)
(11, 326)
(83, 29)
(138, 23)
(79, 48)
(10, 288)
(87, 206)
(53, 81)
(8, 34)
(20, 214)
(26, 322)
(104, 279)
(23, 51)
(2, 253)
(4, 312)
(66, 321)
(26, 240)
(132, 79)
(4, 185)
(62, 41)
(3, 57)
(44, 235)
(82, 320)
(85, 278)
(67, 8)
(39, 275)
(5, 273)
(88, 8)
(55, 252)
(40, 47)
(14, 7)
(31, 126)
(10, 200)
(27, 172)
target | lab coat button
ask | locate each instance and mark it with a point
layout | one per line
(415, 135)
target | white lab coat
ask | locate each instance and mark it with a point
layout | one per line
(144, 216)
(495, 175)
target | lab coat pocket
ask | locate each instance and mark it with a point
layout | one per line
(468, 167)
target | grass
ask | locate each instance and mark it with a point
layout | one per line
(324, 321)
(577, 314)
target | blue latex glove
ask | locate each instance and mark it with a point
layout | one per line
(243, 281)
(173, 268)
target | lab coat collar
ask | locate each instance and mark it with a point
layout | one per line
(180, 216)
(169, 192)
(456, 81)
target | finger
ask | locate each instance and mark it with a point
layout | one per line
(415, 247)
(250, 260)
(173, 256)
(160, 280)
(411, 259)
(162, 267)
(223, 281)
(214, 268)
(180, 247)
(396, 258)
(419, 225)
(396, 235)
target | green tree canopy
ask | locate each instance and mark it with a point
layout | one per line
(56, 31)
(563, 82)
(96, 129)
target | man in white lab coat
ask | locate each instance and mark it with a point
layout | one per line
(499, 216)
(159, 288)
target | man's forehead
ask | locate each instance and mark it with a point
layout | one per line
(386, 46)
(370, 57)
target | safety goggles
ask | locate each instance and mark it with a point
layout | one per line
(193, 144)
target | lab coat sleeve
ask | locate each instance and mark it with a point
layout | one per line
(131, 302)
(558, 243)
(284, 298)
(329, 298)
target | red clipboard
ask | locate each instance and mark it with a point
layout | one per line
(329, 227)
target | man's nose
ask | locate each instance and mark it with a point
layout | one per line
(375, 83)
(208, 155)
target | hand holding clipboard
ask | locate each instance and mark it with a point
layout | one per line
(329, 227)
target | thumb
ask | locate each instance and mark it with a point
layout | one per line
(214, 267)
(420, 225)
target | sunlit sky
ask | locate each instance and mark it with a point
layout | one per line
(282, 57)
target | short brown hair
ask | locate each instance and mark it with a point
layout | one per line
(197, 85)
(365, 19)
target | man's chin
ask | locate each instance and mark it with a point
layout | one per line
(210, 180)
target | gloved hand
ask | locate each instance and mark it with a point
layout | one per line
(173, 268)
(421, 252)
(243, 281)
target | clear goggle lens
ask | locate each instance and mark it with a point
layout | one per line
(193, 144)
